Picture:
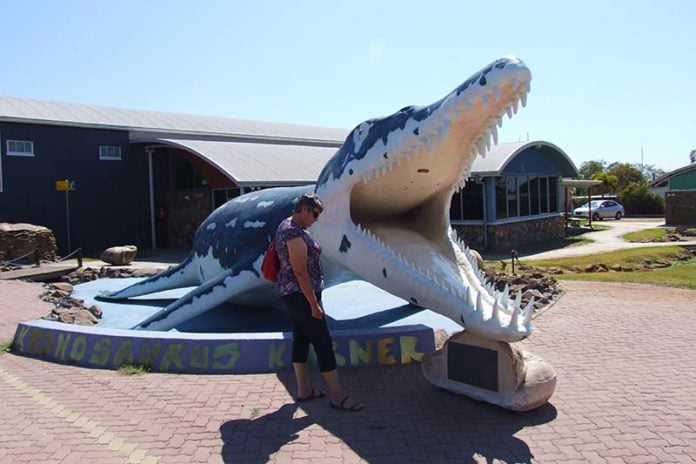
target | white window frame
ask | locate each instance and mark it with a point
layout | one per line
(26, 143)
(104, 153)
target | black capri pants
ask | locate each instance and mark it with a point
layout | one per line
(307, 329)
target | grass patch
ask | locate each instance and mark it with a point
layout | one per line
(6, 347)
(657, 234)
(133, 369)
(626, 257)
(254, 413)
(681, 275)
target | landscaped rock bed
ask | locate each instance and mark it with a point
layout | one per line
(679, 234)
(73, 311)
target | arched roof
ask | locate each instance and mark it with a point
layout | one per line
(253, 164)
(501, 157)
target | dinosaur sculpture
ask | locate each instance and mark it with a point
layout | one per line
(386, 192)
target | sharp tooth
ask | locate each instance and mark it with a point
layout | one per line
(515, 82)
(523, 97)
(515, 105)
(506, 297)
(509, 112)
(515, 316)
(484, 99)
(495, 315)
(469, 107)
(518, 300)
(479, 302)
(487, 141)
(499, 122)
(496, 92)
(528, 311)
(470, 297)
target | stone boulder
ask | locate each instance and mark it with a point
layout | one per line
(488, 370)
(19, 239)
(119, 255)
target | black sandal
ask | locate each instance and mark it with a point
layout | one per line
(315, 395)
(342, 405)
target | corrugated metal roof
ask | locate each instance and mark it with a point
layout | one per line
(259, 163)
(29, 110)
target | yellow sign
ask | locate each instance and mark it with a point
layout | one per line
(65, 185)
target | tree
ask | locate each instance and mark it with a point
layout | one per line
(625, 174)
(608, 183)
(651, 172)
(692, 156)
(590, 168)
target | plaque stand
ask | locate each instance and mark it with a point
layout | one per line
(491, 371)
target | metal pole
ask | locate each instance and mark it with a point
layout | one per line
(589, 205)
(152, 199)
(565, 208)
(67, 218)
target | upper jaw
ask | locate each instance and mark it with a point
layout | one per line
(400, 173)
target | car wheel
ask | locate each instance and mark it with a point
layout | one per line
(618, 216)
(595, 217)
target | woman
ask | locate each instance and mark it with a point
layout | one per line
(300, 282)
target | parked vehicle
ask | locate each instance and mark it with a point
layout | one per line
(600, 209)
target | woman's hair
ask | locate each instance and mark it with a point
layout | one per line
(310, 199)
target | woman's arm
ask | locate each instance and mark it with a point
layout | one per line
(297, 251)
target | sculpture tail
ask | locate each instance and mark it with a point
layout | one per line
(181, 275)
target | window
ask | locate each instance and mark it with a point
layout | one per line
(467, 204)
(20, 148)
(553, 185)
(512, 196)
(544, 194)
(221, 196)
(109, 153)
(501, 198)
(524, 195)
(534, 196)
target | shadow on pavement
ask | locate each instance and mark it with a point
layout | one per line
(406, 419)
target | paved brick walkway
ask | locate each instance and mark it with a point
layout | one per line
(625, 394)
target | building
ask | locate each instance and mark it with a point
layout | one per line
(149, 178)
(515, 198)
(679, 188)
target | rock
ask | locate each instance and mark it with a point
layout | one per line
(77, 316)
(119, 255)
(466, 365)
(144, 272)
(477, 255)
(63, 287)
(96, 311)
(19, 239)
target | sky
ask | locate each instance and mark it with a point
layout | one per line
(612, 80)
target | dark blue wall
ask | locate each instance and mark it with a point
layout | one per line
(110, 204)
(542, 161)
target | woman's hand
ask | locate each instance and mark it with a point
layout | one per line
(317, 311)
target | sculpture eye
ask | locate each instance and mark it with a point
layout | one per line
(361, 132)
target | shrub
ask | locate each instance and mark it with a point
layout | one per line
(637, 199)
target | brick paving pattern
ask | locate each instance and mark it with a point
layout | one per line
(625, 394)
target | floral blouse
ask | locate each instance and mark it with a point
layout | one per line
(287, 281)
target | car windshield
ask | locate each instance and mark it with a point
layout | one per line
(595, 204)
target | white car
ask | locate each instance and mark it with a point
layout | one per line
(600, 209)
